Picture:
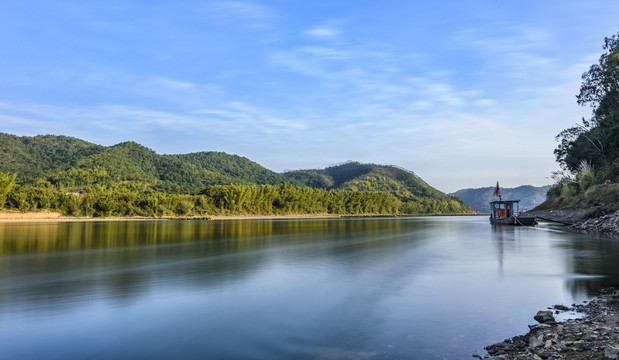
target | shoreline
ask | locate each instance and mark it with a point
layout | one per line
(593, 336)
(57, 217)
(581, 220)
(46, 216)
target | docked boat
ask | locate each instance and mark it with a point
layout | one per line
(507, 212)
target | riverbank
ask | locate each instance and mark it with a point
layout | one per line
(47, 216)
(597, 210)
(587, 219)
(594, 336)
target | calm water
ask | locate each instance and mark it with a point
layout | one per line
(405, 288)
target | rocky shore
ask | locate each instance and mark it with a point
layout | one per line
(596, 210)
(593, 336)
(607, 224)
(592, 219)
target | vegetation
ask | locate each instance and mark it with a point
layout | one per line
(68, 162)
(401, 183)
(589, 153)
(221, 200)
(7, 182)
(77, 178)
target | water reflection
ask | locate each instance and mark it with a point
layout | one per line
(58, 263)
(592, 262)
(437, 287)
(589, 260)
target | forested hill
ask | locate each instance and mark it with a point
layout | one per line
(129, 179)
(355, 176)
(72, 163)
(69, 163)
(479, 199)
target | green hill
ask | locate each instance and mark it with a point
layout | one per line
(131, 179)
(69, 162)
(479, 199)
(33, 157)
(355, 176)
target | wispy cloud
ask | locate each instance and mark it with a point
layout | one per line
(243, 13)
(322, 31)
(499, 38)
(172, 83)
(233, 119)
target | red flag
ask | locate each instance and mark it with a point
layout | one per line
(497, 192)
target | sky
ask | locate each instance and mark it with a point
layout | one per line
(463, 93)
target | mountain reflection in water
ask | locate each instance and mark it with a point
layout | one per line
(431, 287)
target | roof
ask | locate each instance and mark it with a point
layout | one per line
(505, 202)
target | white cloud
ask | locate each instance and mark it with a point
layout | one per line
(171, 83)
(322, 31)
(485, 102)
(497, 38)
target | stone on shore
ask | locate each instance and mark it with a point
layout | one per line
(607, 224)
(543, 317)
(611, 352)
(594, 336)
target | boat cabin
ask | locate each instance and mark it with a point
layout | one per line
(504, 209)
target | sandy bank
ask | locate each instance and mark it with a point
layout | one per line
(46, 216)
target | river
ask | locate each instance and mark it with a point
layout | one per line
(362, 288)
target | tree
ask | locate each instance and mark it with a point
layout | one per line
(596, 141)
(7, 182)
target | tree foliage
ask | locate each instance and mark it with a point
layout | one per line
(223, 200)
(129, 179)
(596, 140)
(7, 181)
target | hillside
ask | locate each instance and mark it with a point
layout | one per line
(355, 176)
(69, 162)
(32, 157)
(128, 179)
(478, 199)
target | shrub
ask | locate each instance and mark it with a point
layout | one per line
(586, 176)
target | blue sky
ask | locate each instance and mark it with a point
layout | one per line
(463, 93)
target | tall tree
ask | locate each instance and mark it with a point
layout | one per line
(596, 141)
(7, 181)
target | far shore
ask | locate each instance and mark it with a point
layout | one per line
(47, 216)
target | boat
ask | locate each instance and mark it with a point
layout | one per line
(507, 212)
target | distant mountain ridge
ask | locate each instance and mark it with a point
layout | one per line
(479, 199)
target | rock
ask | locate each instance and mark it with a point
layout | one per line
(535, 342)
(594, 336)
(544, 316)
(561, 307)
(607, 291)
(584, 348)
(611, 352)
(503, 357)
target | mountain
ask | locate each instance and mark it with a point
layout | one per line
(479, 199)
(32, 157)
(130, 179)
(69, 162)
(355, 176)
